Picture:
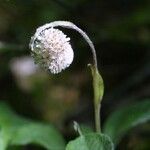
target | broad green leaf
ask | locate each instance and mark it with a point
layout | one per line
(91, 141)
(38, 133)
(123, 119)
(2, 144)
(15, 130)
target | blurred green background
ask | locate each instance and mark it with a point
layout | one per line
(120, 30)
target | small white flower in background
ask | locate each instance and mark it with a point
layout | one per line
(51, 49)
(23, 66)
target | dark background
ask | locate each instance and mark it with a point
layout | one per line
(120, 30)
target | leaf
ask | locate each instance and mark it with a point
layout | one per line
(98, 87)
(2, 145)
(40, 134)
(16, 131)
(92, 141)
(122, 120)
(98, 84)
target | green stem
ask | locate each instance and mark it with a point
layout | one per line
(98, 87)
(97, 118)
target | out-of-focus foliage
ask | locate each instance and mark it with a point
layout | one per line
(16, 130)
(123, 119)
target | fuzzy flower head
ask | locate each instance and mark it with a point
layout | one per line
(51, 49)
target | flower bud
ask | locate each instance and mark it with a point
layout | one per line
(51, 49)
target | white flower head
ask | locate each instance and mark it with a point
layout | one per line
(51, 49)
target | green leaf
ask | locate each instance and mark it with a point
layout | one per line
(38, 133)
(92, 141)
(15, 131)
(98, 84)
(2, 145)
(122, 120)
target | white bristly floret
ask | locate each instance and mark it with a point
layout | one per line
(52, 50)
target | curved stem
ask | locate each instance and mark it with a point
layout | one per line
(97, 79)
(69, 25)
